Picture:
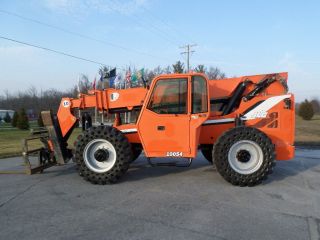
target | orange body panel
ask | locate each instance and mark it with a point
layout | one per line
(224, 87)
(126, 98)
(102, 100)
(174, 137)
(278, 125)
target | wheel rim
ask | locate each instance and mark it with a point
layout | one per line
(245, 157)
(99, 155)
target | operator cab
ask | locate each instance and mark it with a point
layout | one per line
(173, 112)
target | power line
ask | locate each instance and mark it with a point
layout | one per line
(188, 52)
(61, 53)
(154, 29)
(176, 30)
(79, 34)
(52, 50)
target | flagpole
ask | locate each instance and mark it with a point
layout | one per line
(125, 87)
(95, 108)
(79, 111)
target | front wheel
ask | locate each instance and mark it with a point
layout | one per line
(244, 156)
(103, 154)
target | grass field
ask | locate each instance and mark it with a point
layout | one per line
(11, 140)
(307, 133)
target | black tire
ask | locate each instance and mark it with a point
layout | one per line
(241, 134)
(207, 152)
(121, 146)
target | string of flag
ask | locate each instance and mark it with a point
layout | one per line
(112, 79)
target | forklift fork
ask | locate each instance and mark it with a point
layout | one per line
(54, 150)
(45, 158)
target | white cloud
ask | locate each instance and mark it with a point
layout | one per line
(127, 7)
(303, 81)
(288, 62)
(64, 6)
(16, 51)
(74, 7)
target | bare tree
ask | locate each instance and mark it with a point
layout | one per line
(200, 68)
(168, 70)
(84, 83)
(316, 105)
(215, 73)
(178, 67)
(32, 91)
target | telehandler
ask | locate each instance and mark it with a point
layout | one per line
(242, 124)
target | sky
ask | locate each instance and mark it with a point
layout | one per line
(239, 37)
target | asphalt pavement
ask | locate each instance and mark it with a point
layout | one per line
(162, 203)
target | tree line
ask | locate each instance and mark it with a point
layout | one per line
(33, 99)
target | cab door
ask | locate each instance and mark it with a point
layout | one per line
(163, 125)
(170, 121)
(199, 111)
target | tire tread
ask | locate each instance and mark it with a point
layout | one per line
(224, 143)
(121, 145)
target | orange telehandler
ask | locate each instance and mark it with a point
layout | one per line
(241, 124)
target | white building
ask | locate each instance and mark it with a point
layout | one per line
(4, 112)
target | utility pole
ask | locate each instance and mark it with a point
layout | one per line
(188, 52)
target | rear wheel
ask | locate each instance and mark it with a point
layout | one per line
(103, 154)
(244, 156)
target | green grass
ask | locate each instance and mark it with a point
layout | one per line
(11, 141)
(8, 126)
(307, 133)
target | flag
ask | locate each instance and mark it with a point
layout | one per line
(117, 81)
(111, 73)
(134, 79)
(140, 74)
(94, 84)
(128, 78)
(78, 88)
(111, 76)
(140, 77)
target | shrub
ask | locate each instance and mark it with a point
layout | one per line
(14, 119)
(23, 121)
(7, 118)
(306, 110)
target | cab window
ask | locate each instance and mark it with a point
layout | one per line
(199, 95)
(169, 96)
